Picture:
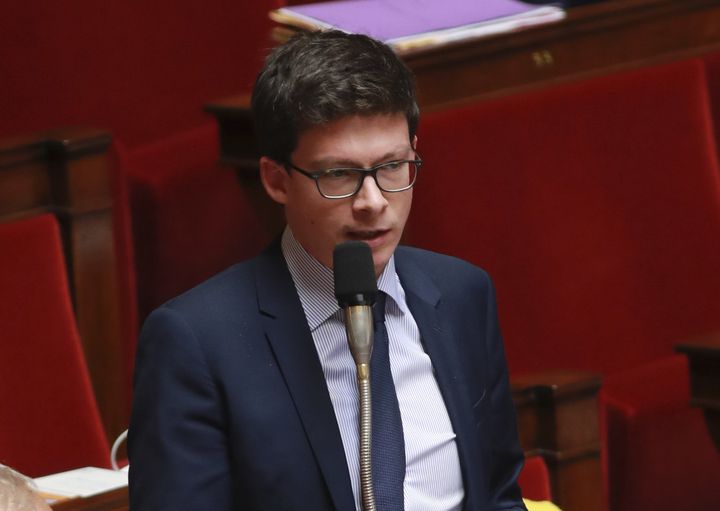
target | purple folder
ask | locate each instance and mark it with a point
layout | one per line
(389, 20)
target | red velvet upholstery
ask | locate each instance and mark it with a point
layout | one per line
(50, 421)
(535, 480)
(191, 218)
(141, 70)
(601, 197)
(596, 208)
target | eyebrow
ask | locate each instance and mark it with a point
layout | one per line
(333, 163)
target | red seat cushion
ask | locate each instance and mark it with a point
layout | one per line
(660, 452)
(534, 479)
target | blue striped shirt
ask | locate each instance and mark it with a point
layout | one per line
(433, 480)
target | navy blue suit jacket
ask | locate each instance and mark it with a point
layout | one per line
(231, 410)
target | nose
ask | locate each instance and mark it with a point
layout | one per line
(369, 198)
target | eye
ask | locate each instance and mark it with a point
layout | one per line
(338, 174)
(393, 165)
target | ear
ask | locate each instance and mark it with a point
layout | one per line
(413, 143)
(274, 179)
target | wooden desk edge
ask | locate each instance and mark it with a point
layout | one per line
(113, 500)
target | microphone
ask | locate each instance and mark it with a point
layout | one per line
(356, 290)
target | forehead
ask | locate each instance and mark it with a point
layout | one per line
(358, 140)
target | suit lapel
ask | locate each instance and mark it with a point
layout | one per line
(441, 344)
(288, 334)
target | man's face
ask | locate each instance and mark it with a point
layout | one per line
(373, 216)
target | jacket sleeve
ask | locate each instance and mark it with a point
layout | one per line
(177, 444)
(506, 457)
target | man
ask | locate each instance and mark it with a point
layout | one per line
(245, 393)
(17, 492)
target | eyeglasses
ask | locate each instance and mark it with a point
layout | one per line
(340, 183)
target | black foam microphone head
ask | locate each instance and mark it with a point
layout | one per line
(355, 282)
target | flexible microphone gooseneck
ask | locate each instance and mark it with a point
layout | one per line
(356, 290)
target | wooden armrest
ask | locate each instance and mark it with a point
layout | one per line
(558, 420)
(237, 135)
(704, 366)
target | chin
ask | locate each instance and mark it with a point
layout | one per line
(380, 261)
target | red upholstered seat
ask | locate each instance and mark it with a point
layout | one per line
(48, 412)
(596, 208)
(660, 451)
(535, 480)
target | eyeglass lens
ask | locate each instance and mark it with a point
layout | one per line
(393, 177)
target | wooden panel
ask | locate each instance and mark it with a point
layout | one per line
(704, 358)
(592, 40)
(558, 420)
(66, 173)
(24, 180)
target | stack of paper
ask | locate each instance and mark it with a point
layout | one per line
(412, 24)
(81, 482)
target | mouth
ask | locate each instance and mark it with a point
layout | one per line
(372, 237)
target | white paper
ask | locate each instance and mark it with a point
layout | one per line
(82, 482)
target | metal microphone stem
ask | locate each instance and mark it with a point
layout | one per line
(359, 325)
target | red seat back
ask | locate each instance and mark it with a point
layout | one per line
(594, 205)
(50, 420)
(191, 219)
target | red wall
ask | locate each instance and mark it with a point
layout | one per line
(139, 69)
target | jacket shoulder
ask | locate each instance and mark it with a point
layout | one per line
(440, 266)
(232, 284)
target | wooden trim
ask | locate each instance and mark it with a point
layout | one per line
(115, 500)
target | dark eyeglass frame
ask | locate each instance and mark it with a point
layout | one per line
(372, 171)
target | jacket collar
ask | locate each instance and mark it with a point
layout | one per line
(289, 336)
(441, 339)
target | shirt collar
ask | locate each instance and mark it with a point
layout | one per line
(315, 284)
